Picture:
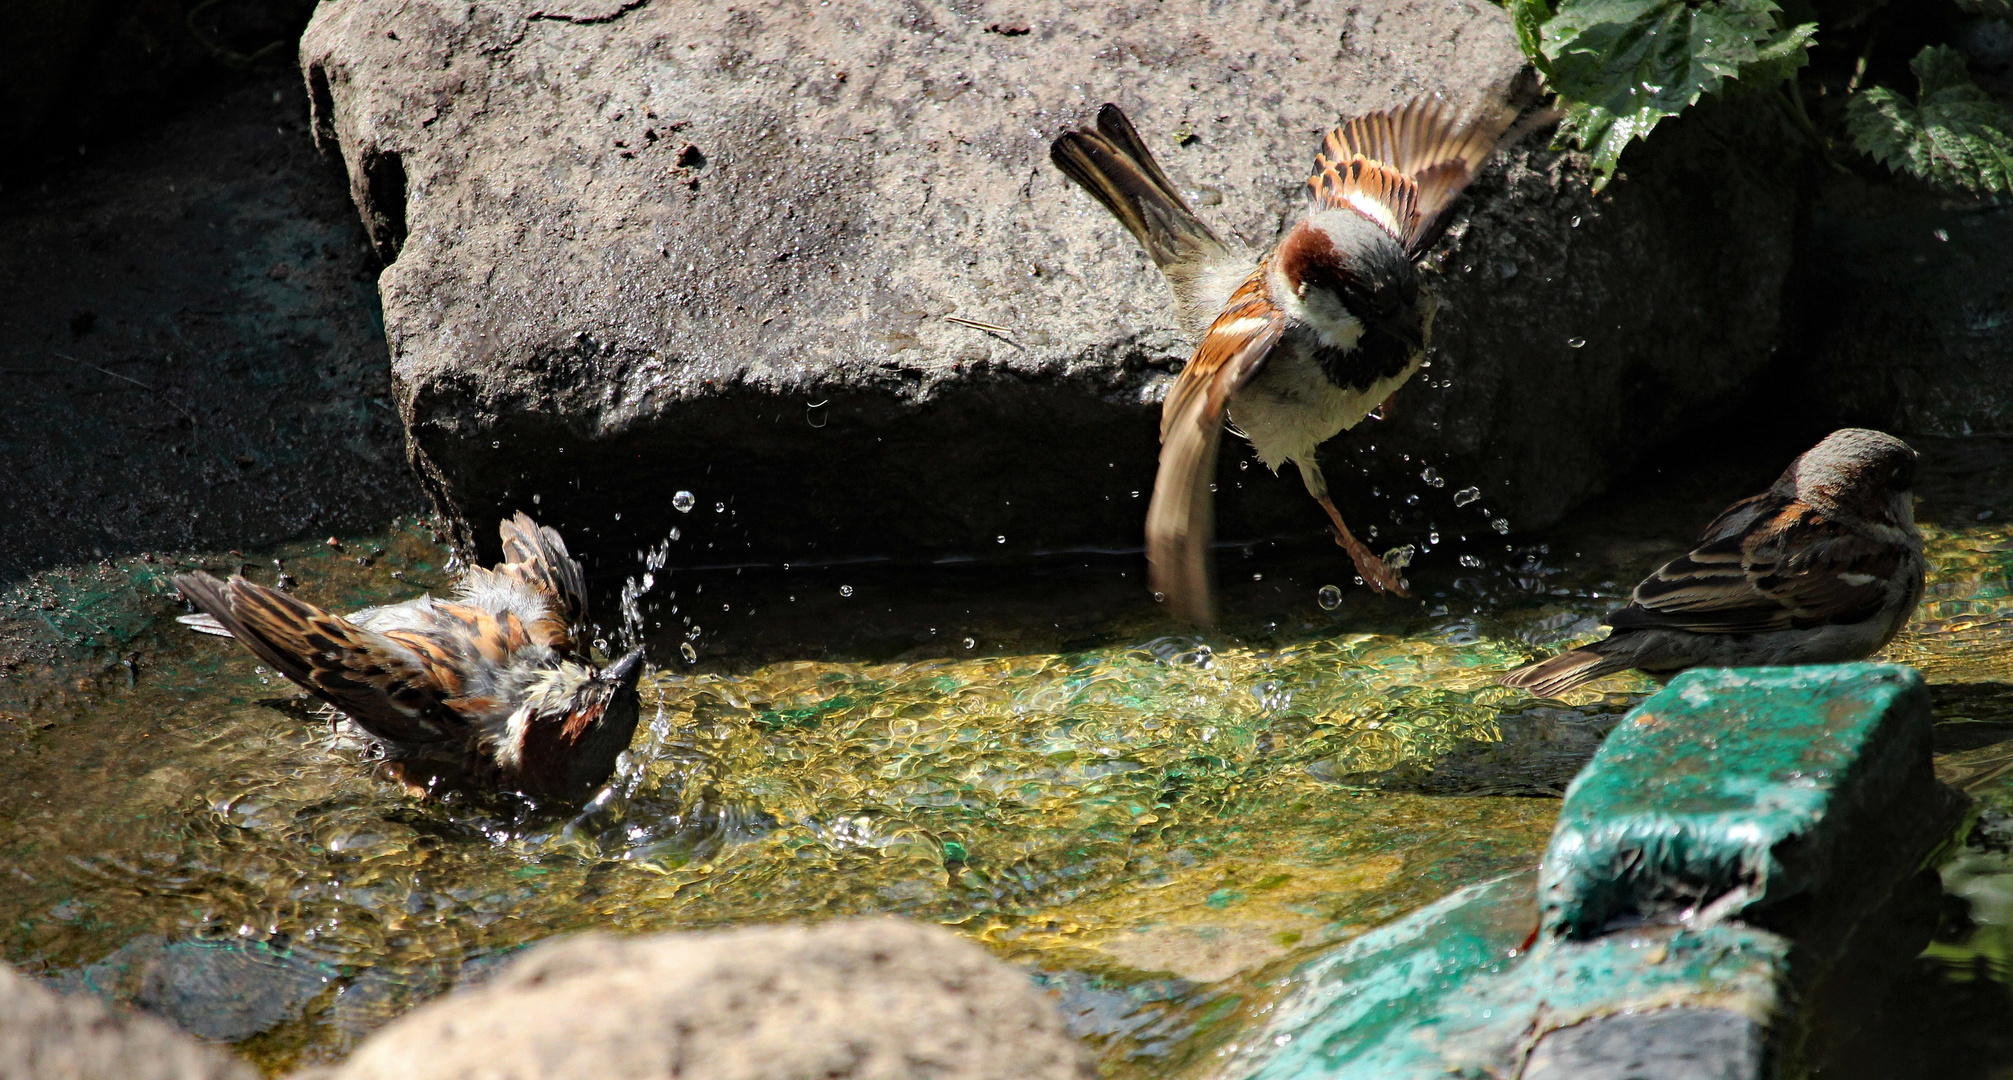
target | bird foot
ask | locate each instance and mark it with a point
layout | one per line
(1376, 572)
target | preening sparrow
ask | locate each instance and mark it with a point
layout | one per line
(1823, 567)
(489, 689)
(1303, 341)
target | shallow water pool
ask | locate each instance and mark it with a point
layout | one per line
(1159, 826)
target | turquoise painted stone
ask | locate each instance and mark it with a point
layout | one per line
(1733, 791)
(1732, 820)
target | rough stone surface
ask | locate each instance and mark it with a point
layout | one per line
(191, 347)
(49, 1036)
(857, 998)
(1663, 1044)
(650, 247)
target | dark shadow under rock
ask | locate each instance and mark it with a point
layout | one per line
(192, 346)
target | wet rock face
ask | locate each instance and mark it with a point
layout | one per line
(190, 345)
(855, 998)
(1905, 306)
(644, 248)
(49, 1036)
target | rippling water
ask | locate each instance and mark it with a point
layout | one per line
(1160, 827)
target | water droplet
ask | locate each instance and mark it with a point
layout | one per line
(1501, 525)
(495, 445)
(675, 534)
(1159, 597)
(1411, 500)
(1329, 597)
(1433, 537)
(686, 650)
(1942, 234)
(725, 607)
(719, 508)
(618, 515)
(1135, 494)
(1258, 577)
(1001, 539)
(971, 643)
(1432, 477)
(534, 500)
(1576, 221)
(1467, 495)
(693, 634)
(845, 590)
(1576, 343)
(1471, 561)
(683, 502)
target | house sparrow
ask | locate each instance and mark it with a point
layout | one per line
(1303, 341)
(1823, 567)
(491, 689)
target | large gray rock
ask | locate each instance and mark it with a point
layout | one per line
(862, 999)
(49, 1036)
(643, 248)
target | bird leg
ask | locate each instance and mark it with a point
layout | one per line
(1375, 573)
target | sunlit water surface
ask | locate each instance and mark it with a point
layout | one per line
(1158, 826)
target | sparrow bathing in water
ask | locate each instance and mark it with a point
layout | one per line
(490, 689)
(1303, 341)
(1823, 567)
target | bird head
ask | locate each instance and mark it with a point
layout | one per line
(574, 721)
(1352, 280)
(1867, 474)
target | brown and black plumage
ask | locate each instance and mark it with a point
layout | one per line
(1825, 566)
(489, 688)
(1300, 343)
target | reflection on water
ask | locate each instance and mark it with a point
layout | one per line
(1158, 827)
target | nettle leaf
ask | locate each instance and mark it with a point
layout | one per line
(1952, 135)
(1621, 66)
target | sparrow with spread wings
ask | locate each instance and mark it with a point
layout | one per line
(1301, 342)
(490, 689)
(1825, 566)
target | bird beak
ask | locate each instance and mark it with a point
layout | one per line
(626, 671)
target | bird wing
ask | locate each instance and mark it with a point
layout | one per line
(536, 556)
(1431, 147)
(369, 677)
(1786, 567)
(1180, 522)
(463, 648)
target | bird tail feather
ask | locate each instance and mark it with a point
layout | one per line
(1117, 169)
(1550, 678)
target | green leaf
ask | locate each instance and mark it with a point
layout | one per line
(1528, 17)
(1623, 65)
(1953, 135)
(1991, 9)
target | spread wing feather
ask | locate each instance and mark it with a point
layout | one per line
(1435, 149)
(374, 680)
(1769, 563)
(1180, 522)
